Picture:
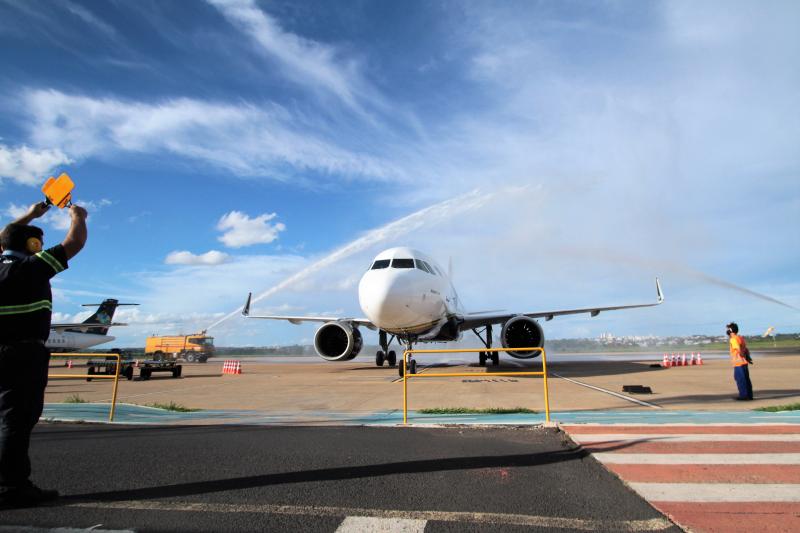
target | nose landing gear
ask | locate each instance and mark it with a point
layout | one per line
(412, 364)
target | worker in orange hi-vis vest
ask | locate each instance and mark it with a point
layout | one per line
(740, 357)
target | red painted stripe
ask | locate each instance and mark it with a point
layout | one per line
(707, 473)
(693, 447)
(668, 430)
(734, 517)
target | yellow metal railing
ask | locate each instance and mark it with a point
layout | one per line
(406, 375)
(115, 377)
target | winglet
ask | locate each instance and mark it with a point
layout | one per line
(660, 294)
(246, 308)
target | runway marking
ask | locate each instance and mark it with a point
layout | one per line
(718, 492)
(358, 524)
(612, 393)
(699, 459)
(686, 437)
(551, 522)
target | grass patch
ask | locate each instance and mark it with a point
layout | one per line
(776, 408)
(74, 399)
(469, 411)
(172, 406)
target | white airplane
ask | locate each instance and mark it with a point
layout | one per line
(407, 296)
(74, 337)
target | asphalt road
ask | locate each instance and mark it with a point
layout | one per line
(247, 478)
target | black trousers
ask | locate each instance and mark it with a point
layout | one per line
(23, 378)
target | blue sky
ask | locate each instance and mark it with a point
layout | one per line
(561, 153)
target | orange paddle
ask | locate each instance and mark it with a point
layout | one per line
(59, 190)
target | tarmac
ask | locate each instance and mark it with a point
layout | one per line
(587, 390)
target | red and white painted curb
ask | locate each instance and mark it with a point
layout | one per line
(725, 478)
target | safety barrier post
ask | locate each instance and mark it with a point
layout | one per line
(543, 373)
(115, 377)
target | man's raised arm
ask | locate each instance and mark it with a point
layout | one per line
(77, 234)
(34, 211)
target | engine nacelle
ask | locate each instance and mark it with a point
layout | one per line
(338, 341)
(522, 332)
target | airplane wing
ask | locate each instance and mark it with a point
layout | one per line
(473, 321)
(85, 325)
(300, 319)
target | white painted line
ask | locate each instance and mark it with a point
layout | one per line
(698, 458)
(360, 524)
(612, 393)
(683, 437)
(717, 492)
(547, 522)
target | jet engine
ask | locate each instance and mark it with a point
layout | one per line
(522, 332)
(338, 341)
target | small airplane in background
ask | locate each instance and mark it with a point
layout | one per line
(407, 296)
(73, 337)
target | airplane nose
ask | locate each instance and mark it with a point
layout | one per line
(384, 298)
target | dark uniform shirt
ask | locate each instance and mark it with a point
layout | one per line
(26, 302)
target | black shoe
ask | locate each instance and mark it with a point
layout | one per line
(742, 399)
(26, 496)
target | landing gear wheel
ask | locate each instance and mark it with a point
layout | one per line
(128, 373)
(412, 367)
(482, 358)
(90, 372)
(495, 357)
(392, 358)
(379, 357)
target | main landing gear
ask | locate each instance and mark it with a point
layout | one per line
(384, 354)
(494, 357)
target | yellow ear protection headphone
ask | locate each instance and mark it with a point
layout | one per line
(33, 245)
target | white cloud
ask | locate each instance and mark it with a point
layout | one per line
(212, 257)
(29, 166)
(306, 61)
(241, 230)
(244, 139)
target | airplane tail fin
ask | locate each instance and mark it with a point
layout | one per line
(103, 315)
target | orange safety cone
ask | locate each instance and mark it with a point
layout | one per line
(69, 363)
(699, 359)
(692, 362)
(683, 360)
(665, 361)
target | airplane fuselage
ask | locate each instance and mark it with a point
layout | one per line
(74, 341)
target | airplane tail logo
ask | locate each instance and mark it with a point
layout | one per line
(104, 315)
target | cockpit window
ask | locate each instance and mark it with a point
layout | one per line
(402, 263)
(380, 263)
(430, 268)
(421, 265)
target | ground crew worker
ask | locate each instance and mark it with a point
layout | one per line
(25, 310)
(740, 357)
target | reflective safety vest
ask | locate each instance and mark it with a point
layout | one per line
(25, 295)
(737, 344)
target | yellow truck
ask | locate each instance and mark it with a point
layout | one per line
(195, 347)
